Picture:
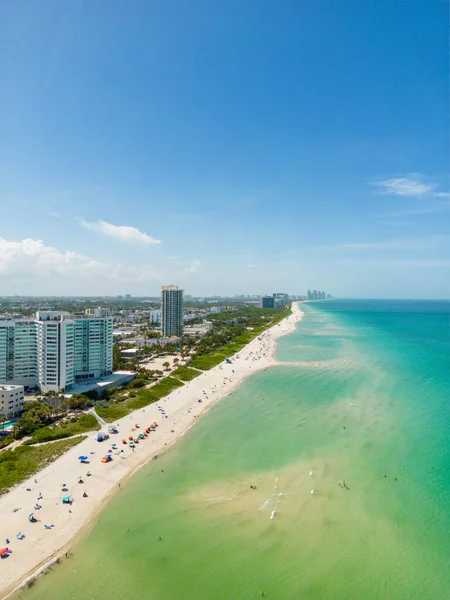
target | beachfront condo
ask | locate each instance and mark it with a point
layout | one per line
(55, 350)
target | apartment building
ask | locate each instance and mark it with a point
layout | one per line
(18, 353)
(11, 400)
(172, 311)
(54, 350)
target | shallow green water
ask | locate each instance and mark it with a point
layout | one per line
(368, 397)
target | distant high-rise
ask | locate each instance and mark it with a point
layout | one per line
(267, 302)
(316, 295)
(171, 311)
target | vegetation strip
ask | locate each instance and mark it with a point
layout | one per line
(22, 462)
(185, 373)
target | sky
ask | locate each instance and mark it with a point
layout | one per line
(226, 146)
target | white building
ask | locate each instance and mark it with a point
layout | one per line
(55, 349)
(198, 330)
(99, 312)
(172, 310)
(11, 400)
(155, 316)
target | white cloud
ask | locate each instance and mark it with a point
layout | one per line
(405, 186)
(122, 233)
(32, 259)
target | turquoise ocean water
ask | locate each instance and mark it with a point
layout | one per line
(363, 397)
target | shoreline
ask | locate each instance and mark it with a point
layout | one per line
(182, 412)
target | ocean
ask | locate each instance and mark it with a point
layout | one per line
(348, 445)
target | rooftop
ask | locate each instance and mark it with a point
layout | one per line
(171, 288)
(116, 378)
(7, 388)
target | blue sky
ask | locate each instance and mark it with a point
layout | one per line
(228, 146)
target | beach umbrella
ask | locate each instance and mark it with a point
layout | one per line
(82, 457)
(64, 485)
(4, 551)
(30, 516)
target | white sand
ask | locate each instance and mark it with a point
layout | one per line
(41, 546)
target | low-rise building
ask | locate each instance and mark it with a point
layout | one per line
(129, 353)
(198, 330)
(11, 400)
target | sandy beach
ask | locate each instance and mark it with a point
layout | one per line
(40, 546)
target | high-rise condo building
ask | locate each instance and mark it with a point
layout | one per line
(18, 352)
(54, 350)
(171, 311)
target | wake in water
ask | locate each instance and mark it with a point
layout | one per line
(275, 499)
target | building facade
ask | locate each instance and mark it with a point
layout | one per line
(267, 302)
(11, 400)
(93, 348)
(172, 311)
(18, 352)
(55, 350)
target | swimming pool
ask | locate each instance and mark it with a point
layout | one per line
(7, 424)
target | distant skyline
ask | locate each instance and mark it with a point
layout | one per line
(225, 146)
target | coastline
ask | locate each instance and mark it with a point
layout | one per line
(42, 547)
